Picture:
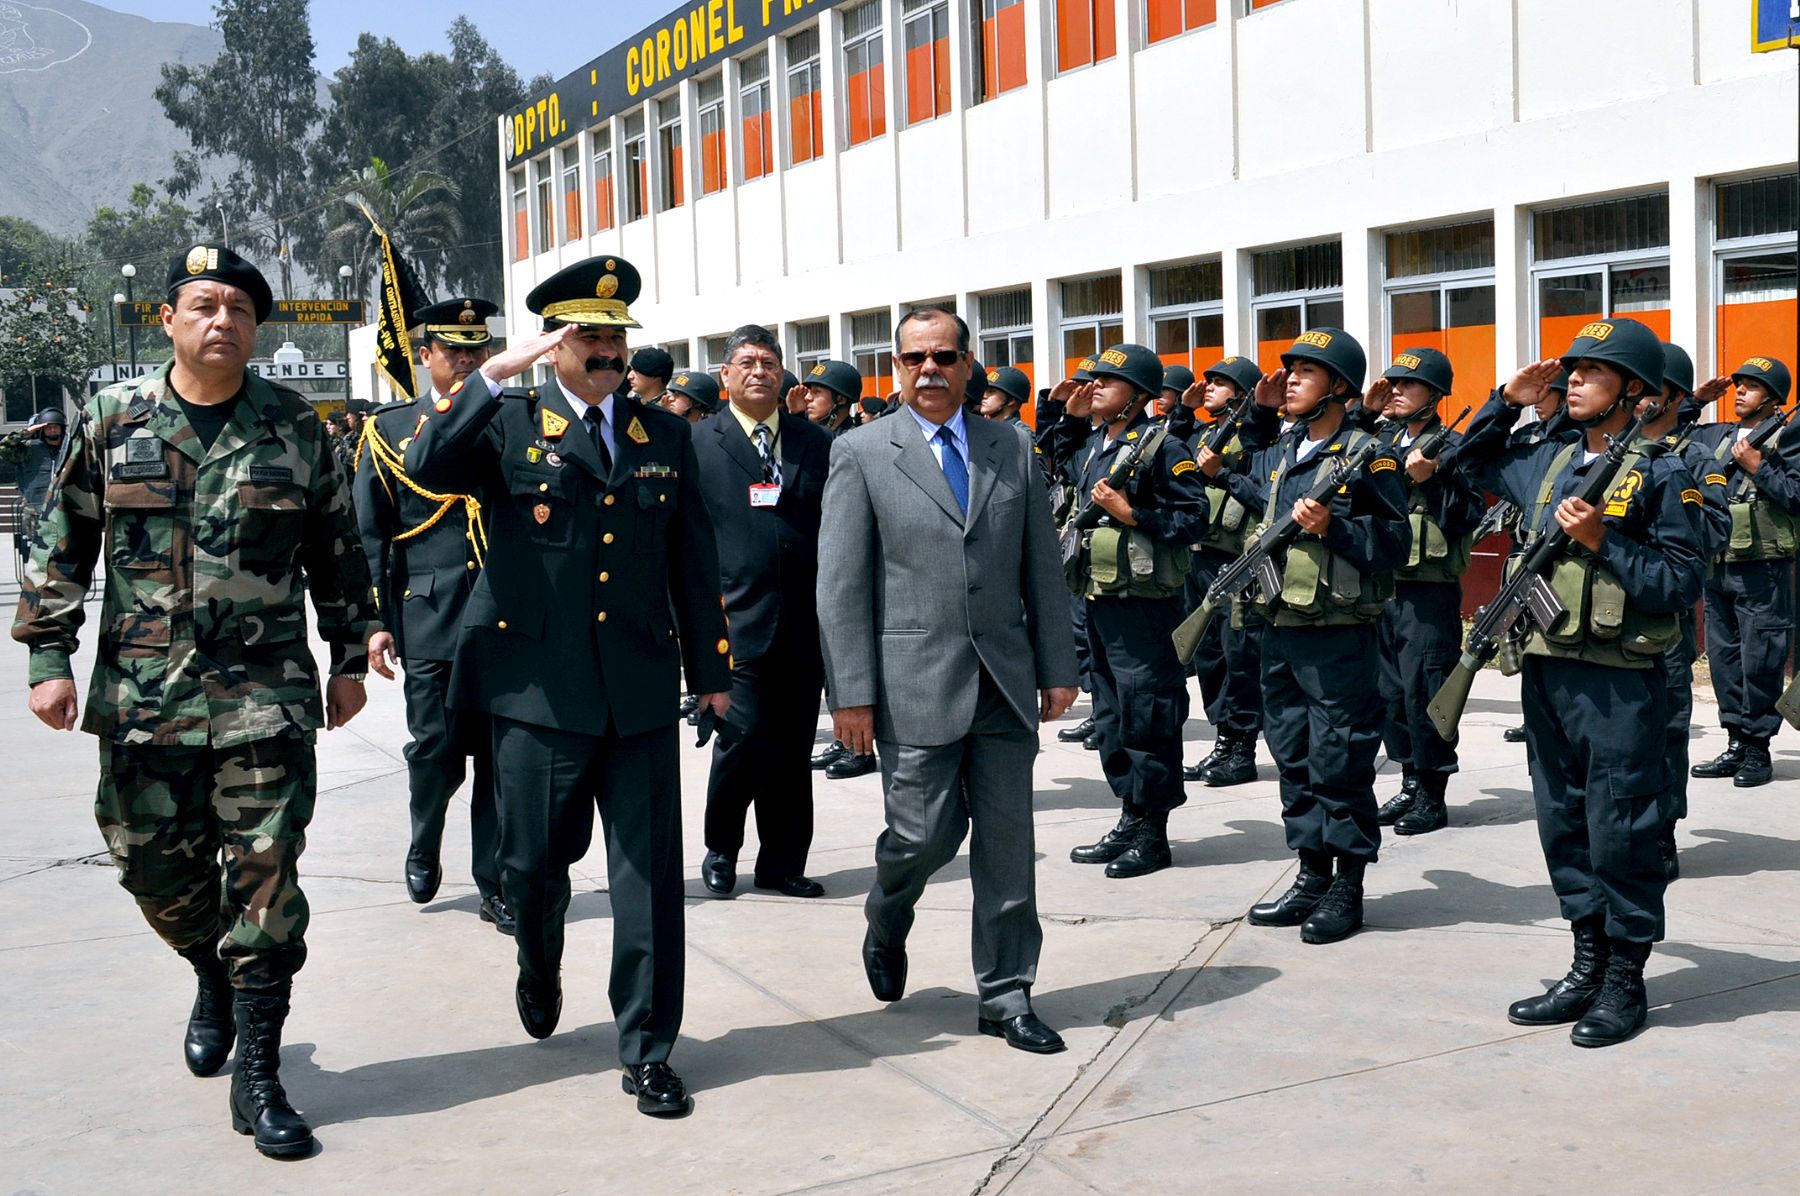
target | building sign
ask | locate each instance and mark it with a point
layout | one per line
(109, 372)
(1775, 25)
(694, 38)
(147, 313)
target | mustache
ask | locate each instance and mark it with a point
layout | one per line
(596, 362)
(932, 382)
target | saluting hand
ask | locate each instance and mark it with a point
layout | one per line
(55, 704)
(1381, 393)
(1528, 387)
(522, 356)
(1081, 399)
(1271, 392)
(1710, 391)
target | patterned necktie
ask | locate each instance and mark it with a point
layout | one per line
(766, 450)
(956, 472)
(593, 419)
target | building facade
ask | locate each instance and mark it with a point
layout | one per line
(1204, 176)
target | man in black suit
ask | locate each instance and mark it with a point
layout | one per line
(601, 550)
(762, 473)
(425, 551)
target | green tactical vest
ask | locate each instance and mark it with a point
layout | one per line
(1602, 625)
(1318, 587)
(1760, 531)
(1227, 519)
(1124, 562)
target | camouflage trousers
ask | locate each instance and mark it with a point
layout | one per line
(208, 841)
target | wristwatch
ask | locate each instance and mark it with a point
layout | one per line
(359, 678)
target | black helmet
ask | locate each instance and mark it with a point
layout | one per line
(838, 377)
(1422, 365)
(1241, 372)
(1137, 365)
(1010, 382)
(1771, 373)
(1334, 349)
(698, 388)
(1678, 369)
(1177, 378)
(1626, 345)
(1561, 381)
(51, 415)
(1084, 370)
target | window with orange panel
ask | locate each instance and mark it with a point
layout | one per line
(865, 84)
(1595, 260)
(1440, 295)
(806, 117)
(1293, 289)
(541, 188)
(754, 114)
(871, 351)
(671, 159)
(998, 30)
(709, 97)
(604, 215)
(1086, 33)
(521, 218)
(637, 169)
(925, 33)
(1251, 6)
(1003, 335)
(1187, 313)
(1164, 19)
(1091, 321)
(1755, 248)
(570, 157)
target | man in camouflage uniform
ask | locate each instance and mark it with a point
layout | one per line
(211, 494)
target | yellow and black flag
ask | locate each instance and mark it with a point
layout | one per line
(397, 301)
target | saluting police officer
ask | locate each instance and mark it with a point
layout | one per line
(1320, 714)
(1229, 659)
(1129, 571)
(1008, 389)
(215, 500)
(1421, 630)
(425, 551)
(832, 388)
(602, 580)
(1594, 684)
(691, 394)
(1749, 596)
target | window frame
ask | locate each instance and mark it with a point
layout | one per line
(543, 202)
(1053, 45)
(600, 164)
(635, 152)
(764, 90)
(1144, 14)
(1189, 313)
(671, 154)
(718, 155)
(876, 39)
(568, 158)
(812, 66)
(521, 206)
(942, 90)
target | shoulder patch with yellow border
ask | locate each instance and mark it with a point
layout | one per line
(1715, 479)
(1382, 465)
(1182, 467)
(553, 425)
(1620, 501)
(1693, 496)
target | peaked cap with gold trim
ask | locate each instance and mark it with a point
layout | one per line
(461, 321)
(599, 291)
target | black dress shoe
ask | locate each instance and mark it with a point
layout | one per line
(659, 1091)
(539, 1006)
(1025, 1032)
(1092, 742)
(718, 873)
(689, 704)
(831, 754)
(493, 909)
(422, 878)
(1077, 733)
(850, 766)
(790, 886)
(1513, 734)
(885, 967)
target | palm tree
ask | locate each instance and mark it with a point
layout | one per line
(418, 211)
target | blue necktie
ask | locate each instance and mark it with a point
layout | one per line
(955, 472)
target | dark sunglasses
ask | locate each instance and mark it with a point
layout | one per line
(942, 358)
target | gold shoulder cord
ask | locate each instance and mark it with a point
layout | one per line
(382, 455)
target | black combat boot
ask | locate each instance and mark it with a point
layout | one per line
(1149, 850)
(1238, 767)
(210, 1031)
(1667, 855)
(1428, 813)
(1757, 769)
(1221, 748)
(1302, 897)
(1622, 1005)
(1340, 914)
(1077, 733)
(259, 1106)
(1571, 996)
(1403, 801)
(1113, 843)
(1725, 764)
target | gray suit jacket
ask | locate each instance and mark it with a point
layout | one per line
(914, 598)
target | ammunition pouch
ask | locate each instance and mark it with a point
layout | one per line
(1123, 562)
(1226, 517)
(1761, 531)
(1321, 589)
(1600, 624)
(1434, 556)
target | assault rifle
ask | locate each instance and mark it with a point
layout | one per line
(1431, 444)
(1228, 424)
(1256, 567)
(1088, 517)
(1525, 596)
(1765, 432)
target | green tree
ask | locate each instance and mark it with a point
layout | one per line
(147, 232)
(256, 108)
(47, 341)
(27, 251)
(416, 209)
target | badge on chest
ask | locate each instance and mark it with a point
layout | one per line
(143, 460)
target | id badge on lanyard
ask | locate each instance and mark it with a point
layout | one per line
(764, 494)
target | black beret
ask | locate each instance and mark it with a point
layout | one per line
(222, 265)
(653, 363)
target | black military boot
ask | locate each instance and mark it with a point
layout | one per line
(1757, 769)
(1725, 764)
(1301, 898)
(1571, 996)
(1077, 733)
(1237, 768)
(1428, 813)
(1149, 850)
(210, 1030)
(1667, 855)
(1113, 843)
(1340, 914)
(1403, 801)
(1622, 1006)
(259, 1106)
(1514, 734)
(1221, 748)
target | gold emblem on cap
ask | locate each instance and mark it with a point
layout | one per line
(607, 287)
(1761, 363)
(1599, 331)
(818, 370)
(467, 314)
(993, 375)
(1319, 340)
(611, 264)
(196, 260)
(1409, 361)
(681, 381)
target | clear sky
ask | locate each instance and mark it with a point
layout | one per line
(534, 35)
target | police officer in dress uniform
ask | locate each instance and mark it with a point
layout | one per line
(1750, 596)
(216, 502)
(1321, 716)
(425, 551)
(1130, 571)
(1420, 633)
(1595, 683)
(1229, 660)
(601, 581)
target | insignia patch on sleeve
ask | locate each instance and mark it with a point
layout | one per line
(1715, 479)
(1182, 467)
(1692, 496)
(1382, 465)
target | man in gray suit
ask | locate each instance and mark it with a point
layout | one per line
(947, 639)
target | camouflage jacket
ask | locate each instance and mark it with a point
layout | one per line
(203, 621)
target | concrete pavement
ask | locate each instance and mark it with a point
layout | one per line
(1204, 1053)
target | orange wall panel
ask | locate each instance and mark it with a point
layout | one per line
(521, 235)
(1756, 330)
(603, 203)
(571, 215)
